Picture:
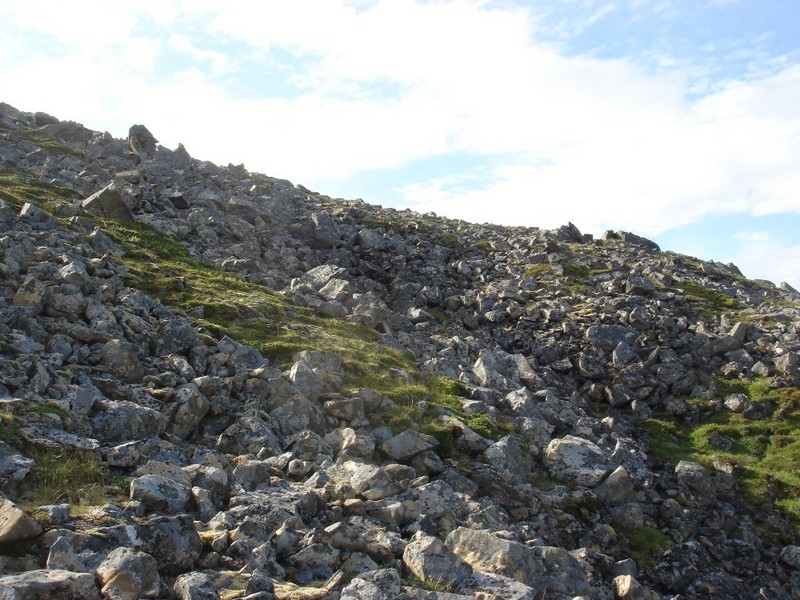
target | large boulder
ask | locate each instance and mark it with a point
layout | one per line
(577, 460)
(15, 524)
(126, 573)
(408, 444)
(484, 551)
(428, 559)
(49, 584)
(108, 204)
(172, 540)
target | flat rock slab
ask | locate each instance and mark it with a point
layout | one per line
(49, 584)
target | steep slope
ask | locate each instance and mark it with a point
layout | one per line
(216, 382)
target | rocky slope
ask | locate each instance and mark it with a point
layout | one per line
(215, 383)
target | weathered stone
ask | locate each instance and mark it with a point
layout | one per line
(383, 584)
(428, 559)
(191, 407)
(484, 551)
(141, 141)
(159, 493)
(408, 444)
(195, 586)
(128, 575)
(122, 421)
(577, 460)
(122, 360)
(627, 588)
(15, 524)
(172, 541)
(14, 467)
(108, 203)
(696, 482)
(509, 457)
(47, 584)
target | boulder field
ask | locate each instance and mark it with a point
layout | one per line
(218, 384)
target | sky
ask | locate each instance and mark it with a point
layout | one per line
(677, 120)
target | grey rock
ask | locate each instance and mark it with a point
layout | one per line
(626, 587)
(608, 337)
(195, 586)
(790, 556)
(15, 524)
(191, 407)
(696, 482)
(484, 551)
(577, 460)
(383, 584)
(14, 467)
(509, 458)
(122, 421)
(172, 541)
(428, 559)
(109, 204)
(46, 584)
(159, 493)
(408, 444)
(122, 360)
(142, 141)
(126, 573)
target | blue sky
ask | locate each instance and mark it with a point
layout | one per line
(678, 120)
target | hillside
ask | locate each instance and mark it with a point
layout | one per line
(218, 384)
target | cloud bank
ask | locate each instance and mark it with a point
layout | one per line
(323, 91)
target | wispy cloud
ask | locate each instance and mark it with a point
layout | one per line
(352, 87)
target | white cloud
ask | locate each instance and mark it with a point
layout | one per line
(768, 260)
(387, 82)
(752, 236)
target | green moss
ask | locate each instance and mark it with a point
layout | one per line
(709, 300)
(438, 314)
(19, 187)
(765, 452)
(644, 545)
(449, 241)
(48, 408)
(10, 432)
(539, 270)
(484, 425)
(49, 143)
(576, 271)
(445, 434)
(60, 475)
(485, 245)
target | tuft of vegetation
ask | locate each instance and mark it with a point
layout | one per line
(576, 271)
(438, 314)
(538, 270)
(449, 241)
(439, 585)
(644, 545)
(10, 431)
(20, 187)
(762, 447)
(485, 245)
(706, 299)
(49, 143)
(73, 476)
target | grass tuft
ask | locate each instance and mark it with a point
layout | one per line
(764, 451)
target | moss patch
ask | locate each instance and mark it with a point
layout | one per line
(765, 452)
(709, 300)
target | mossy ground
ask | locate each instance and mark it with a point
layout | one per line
(764, 452)
(644, 545)
(160, 265)
(707, 299)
